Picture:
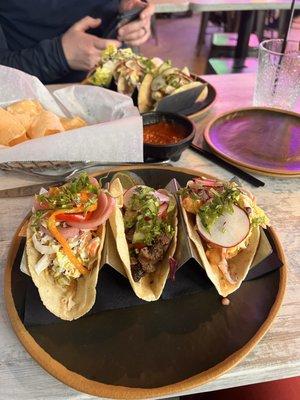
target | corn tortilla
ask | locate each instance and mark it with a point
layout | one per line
(70, 302)
(238, 265)
(151, 285)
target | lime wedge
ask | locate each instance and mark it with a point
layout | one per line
(128, 179)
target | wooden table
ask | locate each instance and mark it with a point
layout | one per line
(277, 355)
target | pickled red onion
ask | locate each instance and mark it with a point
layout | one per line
(100, 215)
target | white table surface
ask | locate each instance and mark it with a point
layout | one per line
(276, 356)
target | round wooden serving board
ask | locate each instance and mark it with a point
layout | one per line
(154, 349)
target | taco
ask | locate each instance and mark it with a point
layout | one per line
(144, 225)
(122, 66)
(164, 81)
(223, 221)
(65, 238)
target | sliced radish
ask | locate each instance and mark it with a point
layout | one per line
(162, 197)
(206, 182)
(130, 192)
(93, 181)
(228, 230)
(127, 196)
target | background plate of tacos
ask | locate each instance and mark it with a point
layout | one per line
(148, 81)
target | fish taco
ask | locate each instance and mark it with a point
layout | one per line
(65, 238)
(144, 225)
(223, 222)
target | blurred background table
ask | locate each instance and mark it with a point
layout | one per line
(244, 15)
(171, 6)
(247, 9)
(276, 356)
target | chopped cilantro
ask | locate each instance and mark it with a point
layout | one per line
(220, 203)
(142, 214)
(69, 195)
(36, 218)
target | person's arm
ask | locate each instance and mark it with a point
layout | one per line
(51, 59)
(46, 60)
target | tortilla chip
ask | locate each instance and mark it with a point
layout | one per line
(72, 123)
(70, 302)
(25, 111)
(11, 131)
(150, 286)
(238, 265)
(145, 102)
(44, 124)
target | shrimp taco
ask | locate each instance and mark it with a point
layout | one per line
(65, 238)
(223, 221)
(144, 225)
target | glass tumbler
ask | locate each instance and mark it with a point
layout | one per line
(278, 77)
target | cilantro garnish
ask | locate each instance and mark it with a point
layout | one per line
(69, 195)
(220, 203)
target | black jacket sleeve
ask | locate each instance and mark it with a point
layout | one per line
(46, 60)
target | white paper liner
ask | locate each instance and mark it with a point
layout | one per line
(116, 133)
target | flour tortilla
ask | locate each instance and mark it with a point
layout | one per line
(238, 265)
(70, 302)
(145, 101)
(150, 286)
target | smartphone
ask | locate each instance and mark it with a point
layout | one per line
(122, 19)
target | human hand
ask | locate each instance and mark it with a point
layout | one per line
(82, 50)
(137, 32)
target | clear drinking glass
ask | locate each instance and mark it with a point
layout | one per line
(278, 77)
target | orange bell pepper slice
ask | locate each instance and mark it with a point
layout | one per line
(59, 237)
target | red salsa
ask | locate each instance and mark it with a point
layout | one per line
(164, 133)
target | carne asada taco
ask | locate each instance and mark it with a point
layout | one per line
(144, 225)
(164, 81)
(224, 223)
(124, 66)
(65, 238)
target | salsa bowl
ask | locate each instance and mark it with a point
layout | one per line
(166, 135)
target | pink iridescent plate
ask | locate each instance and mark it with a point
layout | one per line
(264, 140)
